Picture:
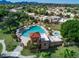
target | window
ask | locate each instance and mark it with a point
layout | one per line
(45, 44)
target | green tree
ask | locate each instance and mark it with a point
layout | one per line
(3, 13)
(70, 30)
(10, 23)
(66, 52)
(69, 53)
(44, 54)
(68, 10)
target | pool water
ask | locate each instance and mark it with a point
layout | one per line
(56, 33)
(33, 29)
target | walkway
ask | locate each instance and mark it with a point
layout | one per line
(4, 47)
(17, 51)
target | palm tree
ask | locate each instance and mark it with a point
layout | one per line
(69, 53)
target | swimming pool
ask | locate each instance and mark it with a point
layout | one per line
(33, 29)
(56, 33)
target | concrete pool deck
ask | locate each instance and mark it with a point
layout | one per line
(24, 39)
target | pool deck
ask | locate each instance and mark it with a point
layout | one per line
(24, 40)
(45, 37)
(55, 39)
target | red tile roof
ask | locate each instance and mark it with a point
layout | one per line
(35, 35)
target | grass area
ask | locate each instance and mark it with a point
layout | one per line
(55, 53)
(53, 26)
(26, 52)
(9, 41)
(0, 48)
(59, 53)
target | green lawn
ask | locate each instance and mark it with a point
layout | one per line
(9, 41)
(0, 48)
(53, 26)
(59, 53)
(56, 53)
(26, 52)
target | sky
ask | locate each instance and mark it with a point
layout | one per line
(48, 1)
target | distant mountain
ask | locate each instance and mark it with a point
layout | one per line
(8, 2)
(5, 2)
(36, 3)
(26, 3)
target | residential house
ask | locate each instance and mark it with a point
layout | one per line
(45, 41)
(54, 19)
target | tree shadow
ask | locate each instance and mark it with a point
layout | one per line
(71, 44)
(77, 44)
(50, 49)
(9, 32)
